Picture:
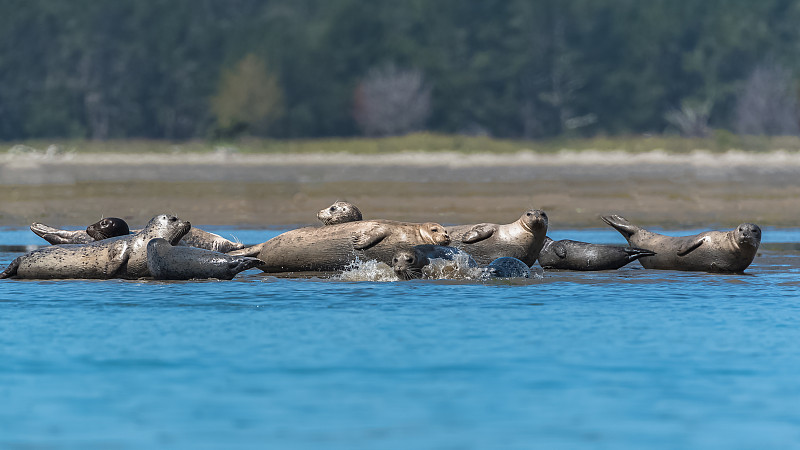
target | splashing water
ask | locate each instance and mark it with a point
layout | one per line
(461, 267)
(370, 270)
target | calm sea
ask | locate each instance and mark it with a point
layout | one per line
(631, 358)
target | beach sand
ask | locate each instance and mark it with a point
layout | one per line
(695, 190)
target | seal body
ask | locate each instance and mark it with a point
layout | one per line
(711, 251)
(339, 212)
(507, 267)
(576, 255)
(112, 227)
(103, 229)
(522, 239)
(408, 263)
(334, 247)
(118, 257)
(168, 262)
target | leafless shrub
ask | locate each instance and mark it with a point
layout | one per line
(691, 120)
(391, 101)
(768, 103)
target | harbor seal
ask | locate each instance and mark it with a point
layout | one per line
(334, 247)
(103, 229)
(168, 262)
(339, 212)
(576, 255)
(507, 267)
(112, 227)
(711, 251)
(408, 264)
(522, 239)
(118, 257)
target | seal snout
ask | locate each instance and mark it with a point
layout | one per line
(535, 219)
(749, 233)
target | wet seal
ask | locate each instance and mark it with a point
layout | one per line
(576, 255)
(168, 262)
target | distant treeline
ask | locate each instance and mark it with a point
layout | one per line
(179, 69)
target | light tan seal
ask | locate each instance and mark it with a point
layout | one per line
(711, 251)
(334, 247)
(118, 257)
(339, 212)
(168, 262)
(522, 239)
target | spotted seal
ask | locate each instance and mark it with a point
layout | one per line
(117, 257)
(339, 212)
(168, 262)
(576, 255)
(105, 228)
(710, 251)
(522, 239)
(334, 247)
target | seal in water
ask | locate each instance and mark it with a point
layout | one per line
(334, 247)
(576, 255)
(118, 257)
(508, 267)
(711, 251)
(112, 227)
(408, 263)
(339, 212)
(168, 262)
(522, 239)
(103, 229)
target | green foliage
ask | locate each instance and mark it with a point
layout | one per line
(107, 69)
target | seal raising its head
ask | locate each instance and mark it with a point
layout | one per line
(339, 212)
(711, 251)
(522, 239)
(107, 228)
(104, 229)
(408, 263)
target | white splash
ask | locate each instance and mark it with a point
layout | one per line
(461, 267)
(370, 270)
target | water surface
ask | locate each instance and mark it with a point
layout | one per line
(618, 359)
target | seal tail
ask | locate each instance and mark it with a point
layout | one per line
(247, 251)
(11, 270)
(635, 253)
(621, 224)
(245, 263)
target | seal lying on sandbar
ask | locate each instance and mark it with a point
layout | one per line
(522, 239)
(118, 257)
(334, 247)
(339, 212)
(112, 227)
(105, 228)
(168, 262)
(711, 251)
(576, 255)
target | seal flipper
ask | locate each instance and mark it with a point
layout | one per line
(621, 224)
(11, 270)
(690, 246)
(560, 250)
(247, 251)
(50, 234)
(477, 233)
(366, 240)
(242, 264)
(635, 253)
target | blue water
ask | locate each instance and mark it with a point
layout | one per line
(621, 359)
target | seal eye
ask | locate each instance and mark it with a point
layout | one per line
(333, 208)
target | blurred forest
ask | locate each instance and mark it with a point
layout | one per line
(185, 69)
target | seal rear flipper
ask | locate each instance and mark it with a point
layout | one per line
(240, 265)
(621, 224)
(635, 253)
(247, 251)
(477, 233)
(50, 234)
(690, 246)
(11, 270)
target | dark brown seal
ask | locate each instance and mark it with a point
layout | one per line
(118, 257)
(522, 239)
(168, 262)
(105, 228)
(334, 247)
(576, 255)
(711, 251)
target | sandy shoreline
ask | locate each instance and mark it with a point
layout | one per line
(264, 190)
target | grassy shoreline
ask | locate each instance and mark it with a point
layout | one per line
(425, 142)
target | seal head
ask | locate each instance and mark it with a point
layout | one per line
(339, 212)
(107, 228)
